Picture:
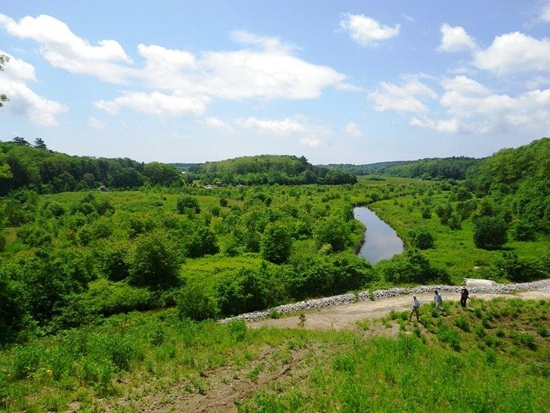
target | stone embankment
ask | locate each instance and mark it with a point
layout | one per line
(344, 299)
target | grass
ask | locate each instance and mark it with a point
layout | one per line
(454, 249)
(438, 364)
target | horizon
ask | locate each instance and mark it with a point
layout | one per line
(360, 84)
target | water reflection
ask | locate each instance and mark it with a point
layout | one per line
(381, 240)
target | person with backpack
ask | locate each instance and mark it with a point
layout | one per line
(464, 296)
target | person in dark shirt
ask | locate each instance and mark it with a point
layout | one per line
(464, 295)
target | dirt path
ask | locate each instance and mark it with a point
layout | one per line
(346, 316)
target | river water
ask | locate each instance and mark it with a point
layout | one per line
(381, 240)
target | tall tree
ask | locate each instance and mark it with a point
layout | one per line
(21, 141)
(3, 60)
(40, 144)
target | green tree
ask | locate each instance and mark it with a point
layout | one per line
(202, 241)
(333, 231)
(422, 239)
(154, 261)
(490, 232)
(40, 144)
(276, 244)
(187, 202)
(196, 303)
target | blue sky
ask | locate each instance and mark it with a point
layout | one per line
(338, 82)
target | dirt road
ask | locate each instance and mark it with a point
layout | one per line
(346, 316)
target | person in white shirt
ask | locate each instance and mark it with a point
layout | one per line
(438, 302)
(415, 308)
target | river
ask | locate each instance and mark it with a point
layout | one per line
(381, 240)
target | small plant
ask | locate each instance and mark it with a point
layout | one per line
(274, 314)
(462, 323)
(542, 330)
(302, 318)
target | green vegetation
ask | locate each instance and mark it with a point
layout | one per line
(435, 168)
(490, 358)
(265, 169)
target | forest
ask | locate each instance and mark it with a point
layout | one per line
(73, 257)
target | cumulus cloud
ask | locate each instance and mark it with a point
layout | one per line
(407, 98)
(474, 109)
(514, 53)
(96, 123)
(23, 100)
(366, 31)
(298, 126)
(154, 103)
(353, 130)
(215, 123)
(262, 68)
(455, 39)
(63, 49)
(349, 87)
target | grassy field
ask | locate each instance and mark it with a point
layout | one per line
(493, 357)
(454, 249)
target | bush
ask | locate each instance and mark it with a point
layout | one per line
(422, 239)
(276, 243)
(201, 242)
(523, 231)
(515, 269)
(426, 213)
(414, 269)
(187, 202)
(113, 260)
(490, 232)
(12, 308)
(195, 303)
(154, 261)
(333, 231)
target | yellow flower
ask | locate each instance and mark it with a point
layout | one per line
(50, 373)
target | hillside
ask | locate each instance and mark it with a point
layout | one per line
(431, 168)
(23, 166)
(268, 169)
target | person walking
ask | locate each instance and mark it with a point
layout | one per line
(464, 296)
(415, 309)
(438, 302)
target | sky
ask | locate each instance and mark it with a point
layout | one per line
(337, 82)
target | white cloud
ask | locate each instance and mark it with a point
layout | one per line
(455, 39)
(404, 99)
(366, 31)
(154, 103)
(63, 49)
(298, 126)
(408, 18)
(545, 12)
(353, 130)
(23, 100)
(96, 123)
(514, 53)
(262, 68)
(215, 123)
(474, 109)
(281, 127)
(349, 87)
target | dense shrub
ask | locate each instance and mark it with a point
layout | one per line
(415, 268)
(201, 241)
(490, 232)
(523, 231)
(276, 244)
(188, 202)
(515, 269)
(12, 307)
(333, 231)
(422, 239)
(154, 261)
(196, 303)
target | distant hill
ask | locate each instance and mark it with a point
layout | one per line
(268, 169)
(429, 168)
(25, 166)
